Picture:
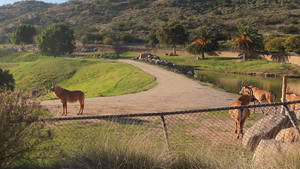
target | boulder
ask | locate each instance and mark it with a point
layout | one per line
(270, 153)
(266, 128)
(144, 55)
(297, 112)
(288, 135)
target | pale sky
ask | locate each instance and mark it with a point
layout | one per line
(3, 2)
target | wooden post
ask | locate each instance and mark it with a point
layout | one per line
(283, 93)
(163, 123)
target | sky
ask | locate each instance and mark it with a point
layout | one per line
(4, 2)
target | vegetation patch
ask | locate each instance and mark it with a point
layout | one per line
(95, 77)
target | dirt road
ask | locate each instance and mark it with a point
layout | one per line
(173, 92)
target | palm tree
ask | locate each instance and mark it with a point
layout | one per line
(248, 41)
(205, 42)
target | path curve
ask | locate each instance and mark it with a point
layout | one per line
(173, 92)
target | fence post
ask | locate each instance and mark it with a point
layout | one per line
(292, 116)
(283, 93)
(163, 123)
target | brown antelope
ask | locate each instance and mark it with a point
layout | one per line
(263, 96)
(68, 96)
(293, 97)
(240, 115)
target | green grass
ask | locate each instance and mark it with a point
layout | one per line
(95, 77)
(218, 63)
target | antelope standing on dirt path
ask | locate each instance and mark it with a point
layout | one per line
(263, 96)
(240, 115)
(68, 96)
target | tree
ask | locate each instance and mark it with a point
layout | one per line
(7, 81)
(118, 48)
(23, 35)
(206, 42)
(152, 39)
(173, 34)
(276, 48)
(248, 41)
(20, 132)
(292, 44)
(56, 39)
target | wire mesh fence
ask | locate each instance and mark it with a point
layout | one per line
(205, 136)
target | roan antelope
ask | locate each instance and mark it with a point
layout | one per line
(263, 96)
(240, 115)
(68, 96)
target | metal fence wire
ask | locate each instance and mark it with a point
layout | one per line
(207, 134)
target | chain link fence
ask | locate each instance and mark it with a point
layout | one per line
(202, 138)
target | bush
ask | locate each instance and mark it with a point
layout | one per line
(292, 44)
(6, 80)
(276, 48)
(107, 41)
(275, 45)
(20, 132)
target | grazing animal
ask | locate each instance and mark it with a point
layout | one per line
(293, 97)
(240, 115)
(263, 96)
(68, 96)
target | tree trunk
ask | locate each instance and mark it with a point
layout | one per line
(245, 56)
(174, 49)
(202, 53)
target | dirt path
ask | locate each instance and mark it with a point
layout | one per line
(173, 92)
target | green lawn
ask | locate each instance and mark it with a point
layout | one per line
(95, 77)
(229, 64)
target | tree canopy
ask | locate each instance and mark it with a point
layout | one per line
(24, 34)
(248, 41)
(292, 44)
(205, 42)
(277, 49)
(173, 34)
(56, 39)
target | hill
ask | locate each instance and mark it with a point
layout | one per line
(134, 19)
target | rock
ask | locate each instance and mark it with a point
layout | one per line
(190, 73)
(269, 154)
(288, 135)
(144, 55)
(297, 112)
(266, 128)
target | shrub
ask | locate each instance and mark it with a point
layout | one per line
(276, 48)
(292, 44)
(6, 80)
(20, 132)
(107, 41)
(275, 45)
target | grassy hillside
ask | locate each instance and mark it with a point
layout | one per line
(95, 77)
(138, 17)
